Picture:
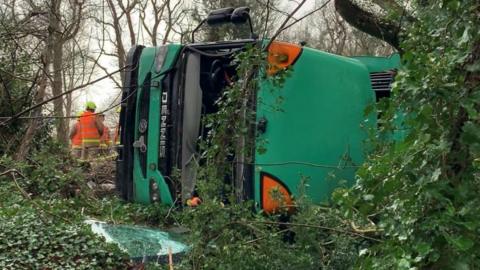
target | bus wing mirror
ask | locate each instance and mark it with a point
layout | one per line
(219, 16)
(240, 15)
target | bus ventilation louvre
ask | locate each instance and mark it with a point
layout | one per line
(382, 83)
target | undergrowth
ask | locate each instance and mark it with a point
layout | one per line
(415, 204)
(45, 201)
(421, 189)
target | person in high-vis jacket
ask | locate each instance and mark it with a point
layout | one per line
(76, 138)
(91, 130)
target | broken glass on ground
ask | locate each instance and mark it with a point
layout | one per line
(140, 243)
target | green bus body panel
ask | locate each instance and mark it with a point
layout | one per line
(317, 133)
(379, 63)
(314, 133)
(141, 184)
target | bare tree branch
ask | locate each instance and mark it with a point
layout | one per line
(280, 29)
(60, 95)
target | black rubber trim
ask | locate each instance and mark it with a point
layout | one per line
(222, 44)
(124, 168)
(249, 169)
(298, 57)
(144, 113)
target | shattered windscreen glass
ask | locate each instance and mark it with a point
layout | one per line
(139, 242)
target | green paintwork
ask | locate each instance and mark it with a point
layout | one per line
(315, 133)
(141, 184)
(320, 123)
(378, 63)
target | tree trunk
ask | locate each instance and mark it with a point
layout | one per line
(57, 59)
(368, 22)
(34, 123)
(121, 55)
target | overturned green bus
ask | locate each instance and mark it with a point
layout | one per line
(317, 134)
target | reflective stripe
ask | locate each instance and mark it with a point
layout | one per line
(91, 140)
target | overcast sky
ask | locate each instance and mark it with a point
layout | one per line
(104, 92)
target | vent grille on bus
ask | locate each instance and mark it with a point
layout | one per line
(382, 83)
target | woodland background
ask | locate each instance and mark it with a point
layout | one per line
(415, 203)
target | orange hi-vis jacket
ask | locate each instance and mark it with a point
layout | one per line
(105, 139)
(77, 138)
(88, 130)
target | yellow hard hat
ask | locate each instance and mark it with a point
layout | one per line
(90, 105)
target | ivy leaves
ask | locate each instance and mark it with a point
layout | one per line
(28, 242)
(421, 188)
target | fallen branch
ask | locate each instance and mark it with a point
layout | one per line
(7, 172)
(356, 229)
(318, 227)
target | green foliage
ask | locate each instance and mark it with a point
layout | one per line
(232, 236)
(48, 174)
(421, 189)
(43, 206)
(114, 210)
(418, 193)
(30, 241)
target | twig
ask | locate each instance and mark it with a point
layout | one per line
(111, 215)
(304, 164)
(7, 172)
(261, 238)
(60, 95)
(280, 29)
(28, 197)
(24, 193)
(266, 20)
(171, 208)
(318, 227)
(306, 15)
(368, 230)
(66, 117)
(170, 259)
